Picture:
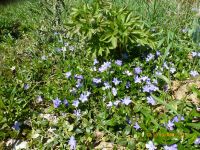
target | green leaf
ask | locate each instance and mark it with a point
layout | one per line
(164, 103)
(164, 78)
(114, 42)
(194, 125)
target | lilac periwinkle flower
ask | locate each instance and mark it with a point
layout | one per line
(194, 73)
(128, 84)
(77, 76)
(157, 53)
(137, 70)
(106, 86)
(68, 74)
(75, 103)
(149, 57)
(172, 70)
(65, 102)
(26, 86)
(56, 102)
(77, 113)
(116, 81)
(16, 125)
(114, 91)
(105, 66)
(95, 62)
(110, 104)
(126, 100)
(118, 62)
(79, 84)
(150, 88)
(72, 143)
(136, 126)
(165, 65)
(150, 146)
(171, 147)
(151, 100)
(158, 73)
(194, 54)
(116, 103)
(170, 125)
(84, 96)
(137, 79)
(96, 80)
(197, 141)
(175, 119)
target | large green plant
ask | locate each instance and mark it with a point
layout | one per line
(106, 28)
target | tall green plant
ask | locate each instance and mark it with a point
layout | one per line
(106, 29)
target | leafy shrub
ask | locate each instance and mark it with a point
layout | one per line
(106, 29)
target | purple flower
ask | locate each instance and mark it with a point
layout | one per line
(145, 78)
(16, 125)
(136, 126)
(77, 76)
(150, 88)
(96, 80)
(175, 119)
(84, 96)
(118, 62)
(77, 113)
(158, 73)
(165, 65)
(95, 62)
(137, 79)
(116, 81)
(79, 84)
(194, 54)
(149, 57)
(197, 141)
(194, 73)
(150, 146)
(171, 147)
(68, 74)
(65, 102)
(75, 103)
(126, 100)
(117, 102)
(106, 86)
(128, 84)
(105, 66)
(56, 102)
(170, 125)
(72, 143)
(114, 91)
(172, 70)
(26, 86)
(137, 70)
(150, 100)
(110, 104)
(182, 118)
(157, 53)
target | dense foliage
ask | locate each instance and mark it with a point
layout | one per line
(100, 74)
